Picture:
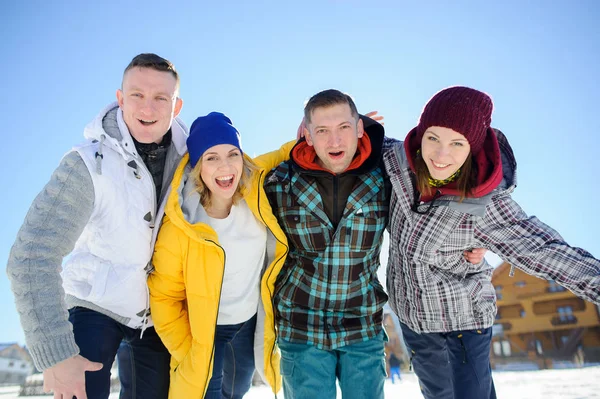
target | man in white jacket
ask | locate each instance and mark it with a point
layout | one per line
(102, 207)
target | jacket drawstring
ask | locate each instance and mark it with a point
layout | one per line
(99, 156)
(415, 205)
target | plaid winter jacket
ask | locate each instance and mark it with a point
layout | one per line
(433, 288)
(327, 293)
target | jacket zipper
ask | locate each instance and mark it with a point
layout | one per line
(212, 355)
(330, 272)
(138, 159)
(275, 261)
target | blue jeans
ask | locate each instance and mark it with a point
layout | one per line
(143, 363)
(310, 373)
(233, 364)
(454, 365)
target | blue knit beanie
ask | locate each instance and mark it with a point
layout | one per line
(208, 131)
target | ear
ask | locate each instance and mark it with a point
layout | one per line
(360, 128)
(308, 137)
(120, 97)
(178, 106)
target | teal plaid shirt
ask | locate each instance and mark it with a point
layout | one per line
(327, 293)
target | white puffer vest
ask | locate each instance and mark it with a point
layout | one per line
(109, 264)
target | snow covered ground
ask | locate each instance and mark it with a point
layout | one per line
(547, 384)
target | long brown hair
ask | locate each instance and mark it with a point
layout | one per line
(465, 183)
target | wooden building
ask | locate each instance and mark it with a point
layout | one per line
(541, 324)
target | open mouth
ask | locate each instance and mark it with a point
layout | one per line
(225, 181)
(336, 155)
(440, 166)
(146, 122)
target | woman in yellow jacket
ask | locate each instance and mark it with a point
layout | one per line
(216, 259)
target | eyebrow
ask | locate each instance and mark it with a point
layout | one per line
(326, 127)
(161, 93)
(436, 135)
(216, 153)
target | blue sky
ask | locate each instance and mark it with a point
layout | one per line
(259, 61)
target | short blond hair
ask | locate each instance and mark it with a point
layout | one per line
(248, 168)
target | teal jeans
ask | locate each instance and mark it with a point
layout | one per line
(309, 372)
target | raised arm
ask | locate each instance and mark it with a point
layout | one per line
(537, 249)
(271, 159)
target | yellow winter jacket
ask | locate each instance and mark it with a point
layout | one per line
(185, 287)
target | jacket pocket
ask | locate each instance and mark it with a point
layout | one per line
(304, 230)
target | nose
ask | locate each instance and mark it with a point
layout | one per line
(335, 139)
(147, 105)
(225, 162)
(443, 151)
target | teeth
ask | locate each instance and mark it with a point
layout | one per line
(224, 178)
(145, 121)
(441, 165)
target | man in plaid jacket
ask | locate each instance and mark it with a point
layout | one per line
(331, 199)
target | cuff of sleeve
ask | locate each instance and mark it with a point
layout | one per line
(47, 354)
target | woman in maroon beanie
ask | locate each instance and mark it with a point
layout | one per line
(452, 181)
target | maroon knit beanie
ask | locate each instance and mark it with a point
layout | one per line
(462, 109)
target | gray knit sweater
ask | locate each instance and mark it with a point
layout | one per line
(51, 228)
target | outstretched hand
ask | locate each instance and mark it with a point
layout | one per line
(66, 379)
(373, 115)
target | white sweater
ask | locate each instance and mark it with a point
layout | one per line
(244, 240)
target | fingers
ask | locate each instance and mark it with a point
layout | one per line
(374, 115)
(93, 366)
(475, 256)
(300, 132)
(80, 393)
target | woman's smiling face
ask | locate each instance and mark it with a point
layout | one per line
(444, 151)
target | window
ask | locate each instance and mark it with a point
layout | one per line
(554, 287)
(506, 348)
(523, 313)
(497, 346)
(565, 313)
(501, 348)
(11, 364)
(520, 284)
(498, 289)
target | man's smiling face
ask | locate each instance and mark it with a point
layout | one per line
(149, 103)
(334, 134)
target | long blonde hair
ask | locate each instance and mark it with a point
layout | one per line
(248, 168)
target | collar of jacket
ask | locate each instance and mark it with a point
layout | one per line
(369, 152)
(110, 124)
